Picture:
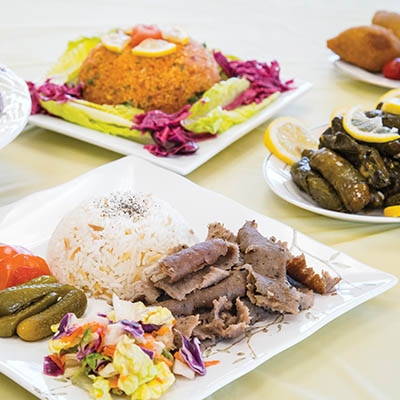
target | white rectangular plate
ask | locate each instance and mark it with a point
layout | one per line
(31, 221)
(181, 164)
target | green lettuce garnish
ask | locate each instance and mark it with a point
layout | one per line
(115, 120)
(66, 69)
(208, 114)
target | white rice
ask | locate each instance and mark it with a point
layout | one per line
(106, 243)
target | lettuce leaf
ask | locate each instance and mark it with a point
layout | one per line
(219, 120)
(66, 69)
(115, 120)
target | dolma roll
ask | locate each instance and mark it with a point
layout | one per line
(311, 182)
(350, 185)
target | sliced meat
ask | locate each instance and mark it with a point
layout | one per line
(233, 286)
(256, 313)
(185, 325)
(297, 268)
(206, 277)
(218, 230)
(192, 259)
(305, 298)
(230, 259)
(277, 296)
(145, 291)
(266, 256)
(225, 321)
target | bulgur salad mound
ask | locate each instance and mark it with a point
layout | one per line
(155, 85)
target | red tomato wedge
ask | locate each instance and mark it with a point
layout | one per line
(21, 267)
(141, 32)
(391, 70)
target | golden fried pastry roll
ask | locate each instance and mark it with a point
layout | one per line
(369, 47)
(388, 19)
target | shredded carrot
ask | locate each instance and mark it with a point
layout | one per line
(109, 350)
(211, 363)
(113, 381)
(163, 330)
(59, 360)
(73, 335)
(167, 361)
(179, 357)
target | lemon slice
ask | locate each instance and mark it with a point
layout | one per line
(154, 48)
(391, 94)
(391, 106)
(360, 127)
(287, 137)
(115, 41)
(174, 34)
(392, 211)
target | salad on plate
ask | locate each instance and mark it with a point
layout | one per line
(156, 86)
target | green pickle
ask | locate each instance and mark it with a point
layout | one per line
(16, 298)
(38, 326)
(8, 323)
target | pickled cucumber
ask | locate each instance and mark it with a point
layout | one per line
(38, 326)
(16, 298)
(8, 323)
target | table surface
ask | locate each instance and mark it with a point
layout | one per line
(353, 357)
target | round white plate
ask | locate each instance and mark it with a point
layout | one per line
(15, 105)
(364, 75)
(277, 175)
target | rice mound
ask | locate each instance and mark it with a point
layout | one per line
(106, 243)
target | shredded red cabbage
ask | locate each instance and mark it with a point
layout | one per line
(191, 353)
(51, 91)
(150, 353)
(64, 326)
(148, 328)
(264, 79)
(132, 327)
(51, 368)
(169, 136)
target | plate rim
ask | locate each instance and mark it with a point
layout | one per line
(182, 165)
(311, 206)
(384, 280)
(363, 75)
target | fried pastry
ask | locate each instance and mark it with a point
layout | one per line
(369, 47)
(389, 20)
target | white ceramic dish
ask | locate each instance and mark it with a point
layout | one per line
(15, 105)
(19, 222)
(180, 164)
(277, 175)
(363, 75)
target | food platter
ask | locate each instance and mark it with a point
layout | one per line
(180, 164)
(277, 176)
(15, 105)
(363, 75)
(22, 361)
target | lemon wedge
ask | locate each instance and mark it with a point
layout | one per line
(174, 34)
(360, 127)
(392, 211)
(154, 48)
(287, 137)
(115, 41)
(391, 94)
(391, 105)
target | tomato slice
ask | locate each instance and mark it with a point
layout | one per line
(6, 250)
(20, 268)
(141, 32)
